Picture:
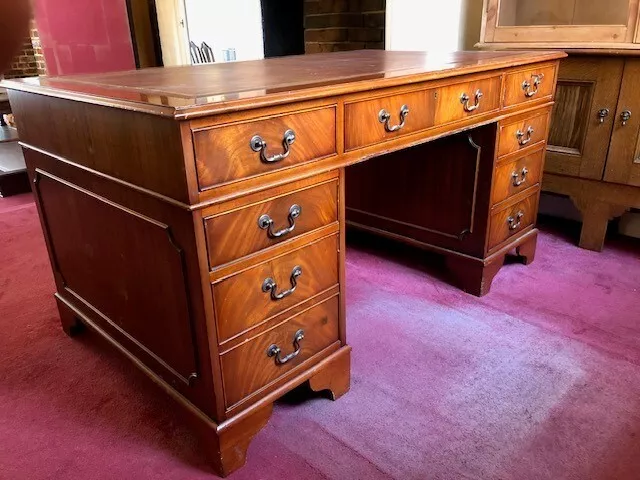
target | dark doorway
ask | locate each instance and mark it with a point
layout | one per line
(283, 27)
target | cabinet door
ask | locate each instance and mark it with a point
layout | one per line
(560, 22)
(579, 137)
(623, 161)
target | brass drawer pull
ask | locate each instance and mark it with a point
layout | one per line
(265, 222)
(517, 181)
(270, 285)
(274, 350)
(259, 145)
(464, 99)
(524, 138)
(385, 117)
(515, 222)
(529, 89)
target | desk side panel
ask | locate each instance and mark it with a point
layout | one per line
(141, 149)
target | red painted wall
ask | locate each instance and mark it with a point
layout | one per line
(84, 36)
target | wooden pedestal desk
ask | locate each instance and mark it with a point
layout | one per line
(195, 216)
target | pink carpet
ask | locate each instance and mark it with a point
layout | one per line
(538, 380)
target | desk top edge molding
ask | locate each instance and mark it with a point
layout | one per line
(150, 99)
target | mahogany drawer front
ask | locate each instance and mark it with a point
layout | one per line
(372, 121)
(512, 219)
(462, 100)
(517, 135)
(244, 300)
(230, 152)
(251, 228)
(517, 175)
(249, 366)
(529, 84)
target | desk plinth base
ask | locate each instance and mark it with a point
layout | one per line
(225, 444)
(475, 275)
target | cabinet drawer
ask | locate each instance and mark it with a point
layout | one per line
(514, 136)
(249, 229)
(517, 175)
(247, 298)
(512, 219)
(248, 367)
(372, 121)
(462, 100)
(231, 152)
(529, 84)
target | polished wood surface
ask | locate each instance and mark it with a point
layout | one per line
(231, 237)
(528, 84)
(241, 302)
(530, 128)
(151, 187)
(185, 93)
(515, 175)
(512, 219)
(247, 367)
(222, 155)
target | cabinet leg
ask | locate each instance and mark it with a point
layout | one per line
(226, 444)
(71, 325)
(472, 275)
(595, 219)
(335, 376)
(527, 250)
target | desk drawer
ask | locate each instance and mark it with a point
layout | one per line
(462, 100)
(516, 175)
(372, 121)
(230, 152)
(251, 228)
(249, 366)
(515, 135)
(512, 219)
(529, 84)
(246, 299)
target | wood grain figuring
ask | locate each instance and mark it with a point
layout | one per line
(185, 92)
(235, 234)
(149, 194)
(623, 160)
(449, 107)
(362, 125)
(499, 227)
(224, 154)
(515, 94)
(247, 367)
(240, 302)
(578, 142)
(510, 141)
(510, 177)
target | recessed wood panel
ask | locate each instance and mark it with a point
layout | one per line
(108, 257)
(247, 367)
(579, 142)
(573, 103)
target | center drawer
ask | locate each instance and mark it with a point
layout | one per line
(256, 294)
(261, 360)
(462, 100)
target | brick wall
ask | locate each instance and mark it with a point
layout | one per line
(336, 25)
(29, 61)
